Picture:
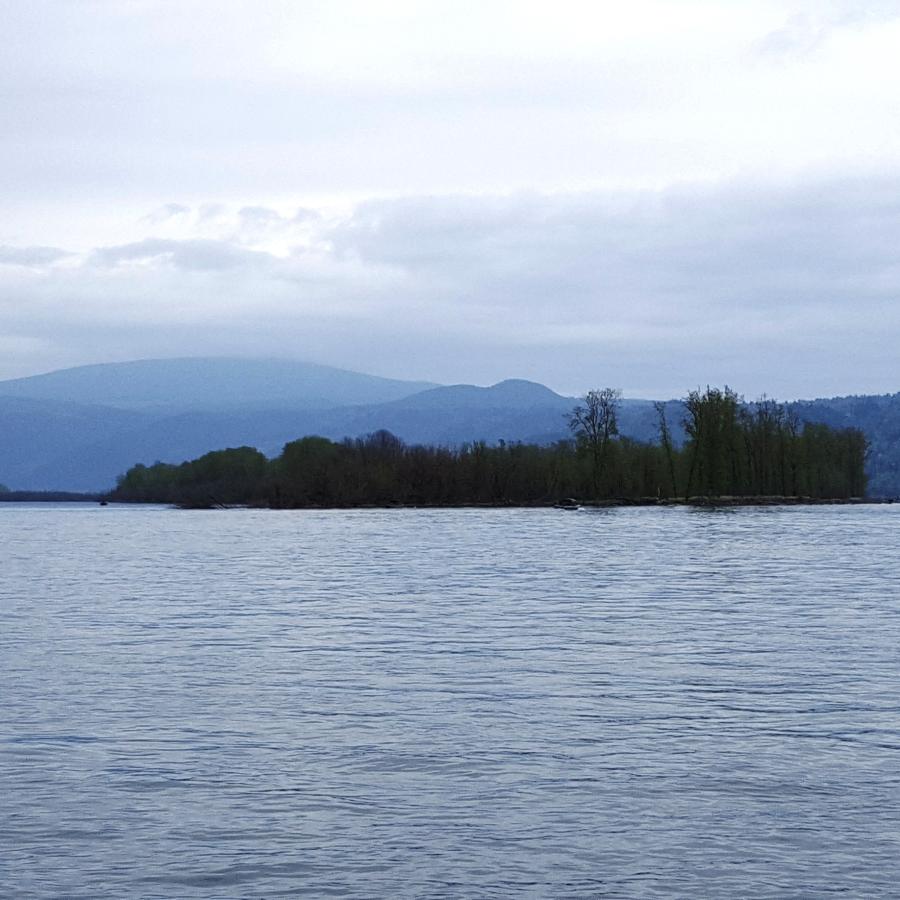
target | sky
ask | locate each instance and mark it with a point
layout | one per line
(654, 195)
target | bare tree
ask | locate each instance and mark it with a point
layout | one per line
(594, 423)
(665, 438)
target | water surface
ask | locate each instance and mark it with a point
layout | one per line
(449, 703)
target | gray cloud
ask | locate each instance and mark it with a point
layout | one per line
(741, 244)
(194, 254)
(255, 132)
(30, 256)
(789, 289)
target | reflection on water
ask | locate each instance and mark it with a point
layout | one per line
(449, 703)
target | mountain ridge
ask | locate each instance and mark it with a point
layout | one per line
(220, 382)
(55, 443)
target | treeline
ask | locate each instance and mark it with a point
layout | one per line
(732, 449)
(879, 418)
(763, 449)
(8, 496)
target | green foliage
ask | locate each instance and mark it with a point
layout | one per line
(760, 449)
(4, 489)
(220, 477)
(732, 449)
(878, 417)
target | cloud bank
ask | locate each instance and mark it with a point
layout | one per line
(649, 195)
(792, 289)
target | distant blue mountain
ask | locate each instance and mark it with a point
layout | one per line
(514, 393)
(78, 429)
(159, 385)
(59, 452)
(42, 435)
(878, 417)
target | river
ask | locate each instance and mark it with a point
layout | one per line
(449, 703)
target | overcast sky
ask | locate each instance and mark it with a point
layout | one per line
(647, 195)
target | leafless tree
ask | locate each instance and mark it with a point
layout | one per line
(665, 438)
(594, 423)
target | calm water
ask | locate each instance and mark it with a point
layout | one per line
(526, 703)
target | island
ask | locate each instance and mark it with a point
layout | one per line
(734, 452)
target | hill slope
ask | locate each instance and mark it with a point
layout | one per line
(53, 443)
(878, 417)
(41, 435)
(210, 383)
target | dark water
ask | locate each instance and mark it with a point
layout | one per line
(526, 703)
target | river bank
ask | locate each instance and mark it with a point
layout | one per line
(569, 503)
(565, 504)
(49, 497)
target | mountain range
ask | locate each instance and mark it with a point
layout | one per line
(78, 429)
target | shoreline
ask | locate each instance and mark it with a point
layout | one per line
(51, 497)
(616, 503)
(569, 504)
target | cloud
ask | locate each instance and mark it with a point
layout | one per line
(259, 216)
(527, 158)
(167, 213)
(806, 30)
(30, 256)
(303, 215)
(798, 37)
(793, 289)
(305, 101)
(184, 254)
(747, 246)
(255, 224)
(223, 226)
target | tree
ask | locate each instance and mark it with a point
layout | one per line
(665, 439)
(308, 471)
(732, 448)
(712, 428)
(594, 424)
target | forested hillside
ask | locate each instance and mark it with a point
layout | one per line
(878, 417)
(731, 450)
(79, 429)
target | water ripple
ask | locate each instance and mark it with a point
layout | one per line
(449, 703)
